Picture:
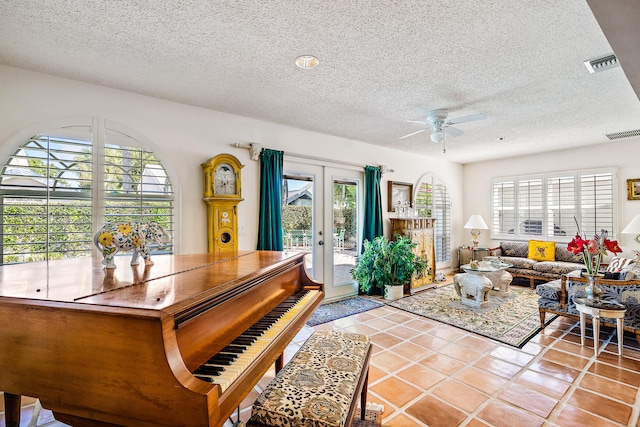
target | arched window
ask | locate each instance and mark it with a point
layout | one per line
(60, 186)
(432, 200)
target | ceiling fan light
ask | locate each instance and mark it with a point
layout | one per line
(437, 136)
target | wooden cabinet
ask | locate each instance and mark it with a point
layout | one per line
(420, 230)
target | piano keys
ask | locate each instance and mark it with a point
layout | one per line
(132, 347)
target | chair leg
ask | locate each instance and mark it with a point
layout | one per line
(542, 316)
(363, 396)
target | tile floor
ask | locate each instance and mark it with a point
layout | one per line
(427, 373)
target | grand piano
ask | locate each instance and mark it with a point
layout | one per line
(179, 343)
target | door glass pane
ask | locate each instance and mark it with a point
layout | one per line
(297, 217)
(345, 230)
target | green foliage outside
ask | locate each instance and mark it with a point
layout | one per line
(38, 223)
(344, 210)
(29, 232)
(296, 218)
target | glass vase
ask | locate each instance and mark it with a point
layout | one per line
(593, 289)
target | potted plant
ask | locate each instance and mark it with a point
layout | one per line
(387, 265)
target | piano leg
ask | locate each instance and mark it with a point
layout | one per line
(279, 362)
(12, 409)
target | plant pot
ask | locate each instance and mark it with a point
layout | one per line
(393, 292)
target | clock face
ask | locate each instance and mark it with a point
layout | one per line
(224, 179)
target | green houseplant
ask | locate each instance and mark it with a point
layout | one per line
(387, 263)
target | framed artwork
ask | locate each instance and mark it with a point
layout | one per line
(399, 192)
(633, 189)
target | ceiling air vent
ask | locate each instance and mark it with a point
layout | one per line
(602, 63)
(627, 134)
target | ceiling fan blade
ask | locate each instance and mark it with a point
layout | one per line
(453, 131)
(418, 121)
(465, 119)
(411, 134)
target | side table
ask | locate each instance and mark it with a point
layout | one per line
(597, 309)
(466, 254)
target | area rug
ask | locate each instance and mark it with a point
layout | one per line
(372, 416)
(512, 320)
(339, 309)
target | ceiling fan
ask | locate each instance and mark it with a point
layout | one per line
(439, 123)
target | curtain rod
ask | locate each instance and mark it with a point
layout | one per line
(255, 149)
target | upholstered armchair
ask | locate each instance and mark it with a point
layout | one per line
(558, 297)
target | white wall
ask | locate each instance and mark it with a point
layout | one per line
(623, 154)
(183, 137)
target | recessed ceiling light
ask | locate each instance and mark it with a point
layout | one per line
(307, 61)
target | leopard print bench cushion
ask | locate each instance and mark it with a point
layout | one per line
(316, 387)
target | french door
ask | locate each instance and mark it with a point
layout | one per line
(321, 215)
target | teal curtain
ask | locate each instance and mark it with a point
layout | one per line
(372, 204)
(270, 212)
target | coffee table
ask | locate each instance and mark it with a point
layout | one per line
(474, 286)
(597, 309)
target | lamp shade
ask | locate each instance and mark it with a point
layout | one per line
(476, 221)
(633, 227)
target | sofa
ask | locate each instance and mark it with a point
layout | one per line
(558, 296)
(556, 261)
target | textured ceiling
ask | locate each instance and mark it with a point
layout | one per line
(382, 63)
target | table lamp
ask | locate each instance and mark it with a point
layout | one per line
(633, 228)
(476, 223)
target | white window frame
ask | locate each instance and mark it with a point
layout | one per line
(99, 131)
(440, 209)
(556, 221)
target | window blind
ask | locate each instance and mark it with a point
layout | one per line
(48, 197)
(552, 206)
(503, 218)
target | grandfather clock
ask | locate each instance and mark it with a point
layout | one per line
(222, 193)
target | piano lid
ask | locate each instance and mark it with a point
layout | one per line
(84, 280)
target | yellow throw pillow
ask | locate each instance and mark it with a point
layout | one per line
(542, 251)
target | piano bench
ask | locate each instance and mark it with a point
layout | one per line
(321, 384)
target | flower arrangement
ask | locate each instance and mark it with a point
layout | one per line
(592, 250)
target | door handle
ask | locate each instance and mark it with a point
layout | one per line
(321, 242)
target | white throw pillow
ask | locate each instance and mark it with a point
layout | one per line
(618, 264)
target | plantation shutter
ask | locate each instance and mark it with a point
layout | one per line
(503, 222)
(530, 208)
(136, 185)
(46, 191)
(596, 203)
(442, 231)
(432, 200)
(552, 206)
(561, 205)
(50, 207)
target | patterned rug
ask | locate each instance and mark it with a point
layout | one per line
(372, 418)
(339, 309)
(512, 320)
(372, 415)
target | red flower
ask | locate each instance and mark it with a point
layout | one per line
(576, 245)
(592, 247)
(612, 245)
(593, 250)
